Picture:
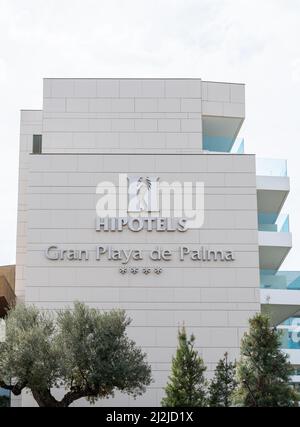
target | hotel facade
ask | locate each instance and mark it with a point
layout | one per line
(96, 165)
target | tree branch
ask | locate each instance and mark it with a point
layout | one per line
(45, 399)
(16, 389)
(77, 393)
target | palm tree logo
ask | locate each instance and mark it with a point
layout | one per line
(143, 189)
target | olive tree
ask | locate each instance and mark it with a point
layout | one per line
(82, 350)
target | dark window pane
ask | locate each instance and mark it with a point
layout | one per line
(4, 398)
(37, 144)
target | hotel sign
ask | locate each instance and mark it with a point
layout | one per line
(125, 256)
(143, 203)
(131, 259)
(139, 224)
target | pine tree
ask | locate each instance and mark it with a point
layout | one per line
(223, 384)
(264, 371)
(187, 385)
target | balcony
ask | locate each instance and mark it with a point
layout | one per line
(271, 167)
(273, 223)
(273, 249)
(218, 144)
(280, 295)
(290, 338)
(290, 344)
(221, 121)
(281, 280)
(275, 239)
(272, 183)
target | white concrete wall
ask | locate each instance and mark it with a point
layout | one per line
(121, 115)
(160, 121)
(223, 99)
(214, 301)
(111, 115)
(31, 123)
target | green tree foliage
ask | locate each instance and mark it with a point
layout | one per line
(264, 371)
(83, 350)
(223, 384)
(187, 385)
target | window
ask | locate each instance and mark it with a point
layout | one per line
(37, 144)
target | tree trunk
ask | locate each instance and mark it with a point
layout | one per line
(45, 399)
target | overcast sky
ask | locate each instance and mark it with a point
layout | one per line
(251, 41)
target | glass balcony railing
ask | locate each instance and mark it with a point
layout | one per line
(238, 146)
(271, 167)
(274, 223)
(290, 334)
(290, 339)
(284, 280)
(218, 144)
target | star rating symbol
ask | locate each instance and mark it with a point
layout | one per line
(135, 270)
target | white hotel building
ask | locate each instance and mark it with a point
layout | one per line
(91, 130)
